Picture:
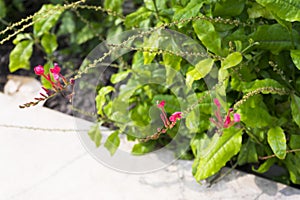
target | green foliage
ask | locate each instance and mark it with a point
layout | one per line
(217, 153)
(277, 141)
(112, 142)
(247, 51)
(20, 55)
(95, 134)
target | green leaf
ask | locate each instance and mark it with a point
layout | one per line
(288, 10)
(206, 32)
(22, 36)
(232, 60)
(254, 113)
(139, 18)
(265, 166)
(229, 8)
(19, 57)
(264, 83)
(143, 148)
(248, 153)
(67, 24)
(46, 19)
(277, 141)
(218, 153)
(295, 54)
(191, 10)
(202, 68)
(295, 107)
(84, 35)
(2, 9)
(292, 163)
(192, 122)
(112, 142)
(274, 38)
(115, 5)
(49, 42)
(120, 76)
(95, 134)
(101, 99)
(256, 11)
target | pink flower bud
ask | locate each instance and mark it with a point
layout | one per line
(217, 102)
(39, 70)
(161, 104)
(56, 69)
(175, 116)
(236, 117)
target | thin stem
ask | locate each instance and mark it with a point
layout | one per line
(273, 155)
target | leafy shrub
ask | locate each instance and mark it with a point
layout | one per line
(251, 51)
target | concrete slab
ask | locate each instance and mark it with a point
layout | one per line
(53, 165)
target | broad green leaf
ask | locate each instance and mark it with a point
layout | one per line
(202, 68)
(207, 34)
(120, 76)
(139, 18)
(295, 107)
(248, 153)
(101, 99)
(274, 38)
(292, 163)
(265, 166)
(190, 10)
(46, 19)
(172, 64)
(287, 9)
(295, 143)
(84, 35)
(143, 148)
(2, 9)
(19, 57)
(95, 134)
(277, 141)
(264, 83)
(229, 8)
(112, 142)
(232, 60)
(49, 42)
(160, 4)
(295, 54)
(256, 11)
(218, 153)
(67, 24)
(192, 122)
(254, 113)
(115, 5)
(22, 36)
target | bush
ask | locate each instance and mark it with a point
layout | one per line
(200, 57)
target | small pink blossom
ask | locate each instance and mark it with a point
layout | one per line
(39, 70)
(227, 121)
(236, 117)
(56, 69)
(161, 104)
(217, 102)
(175, 116)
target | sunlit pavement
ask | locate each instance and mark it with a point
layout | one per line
(53, 165)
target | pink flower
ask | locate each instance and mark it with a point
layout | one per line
(175, 116)
(217, 102)
(236, 117)
(161, 104)
(227, 121)
(56, 69)
(39, 70)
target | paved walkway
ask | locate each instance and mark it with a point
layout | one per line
(53, 165)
